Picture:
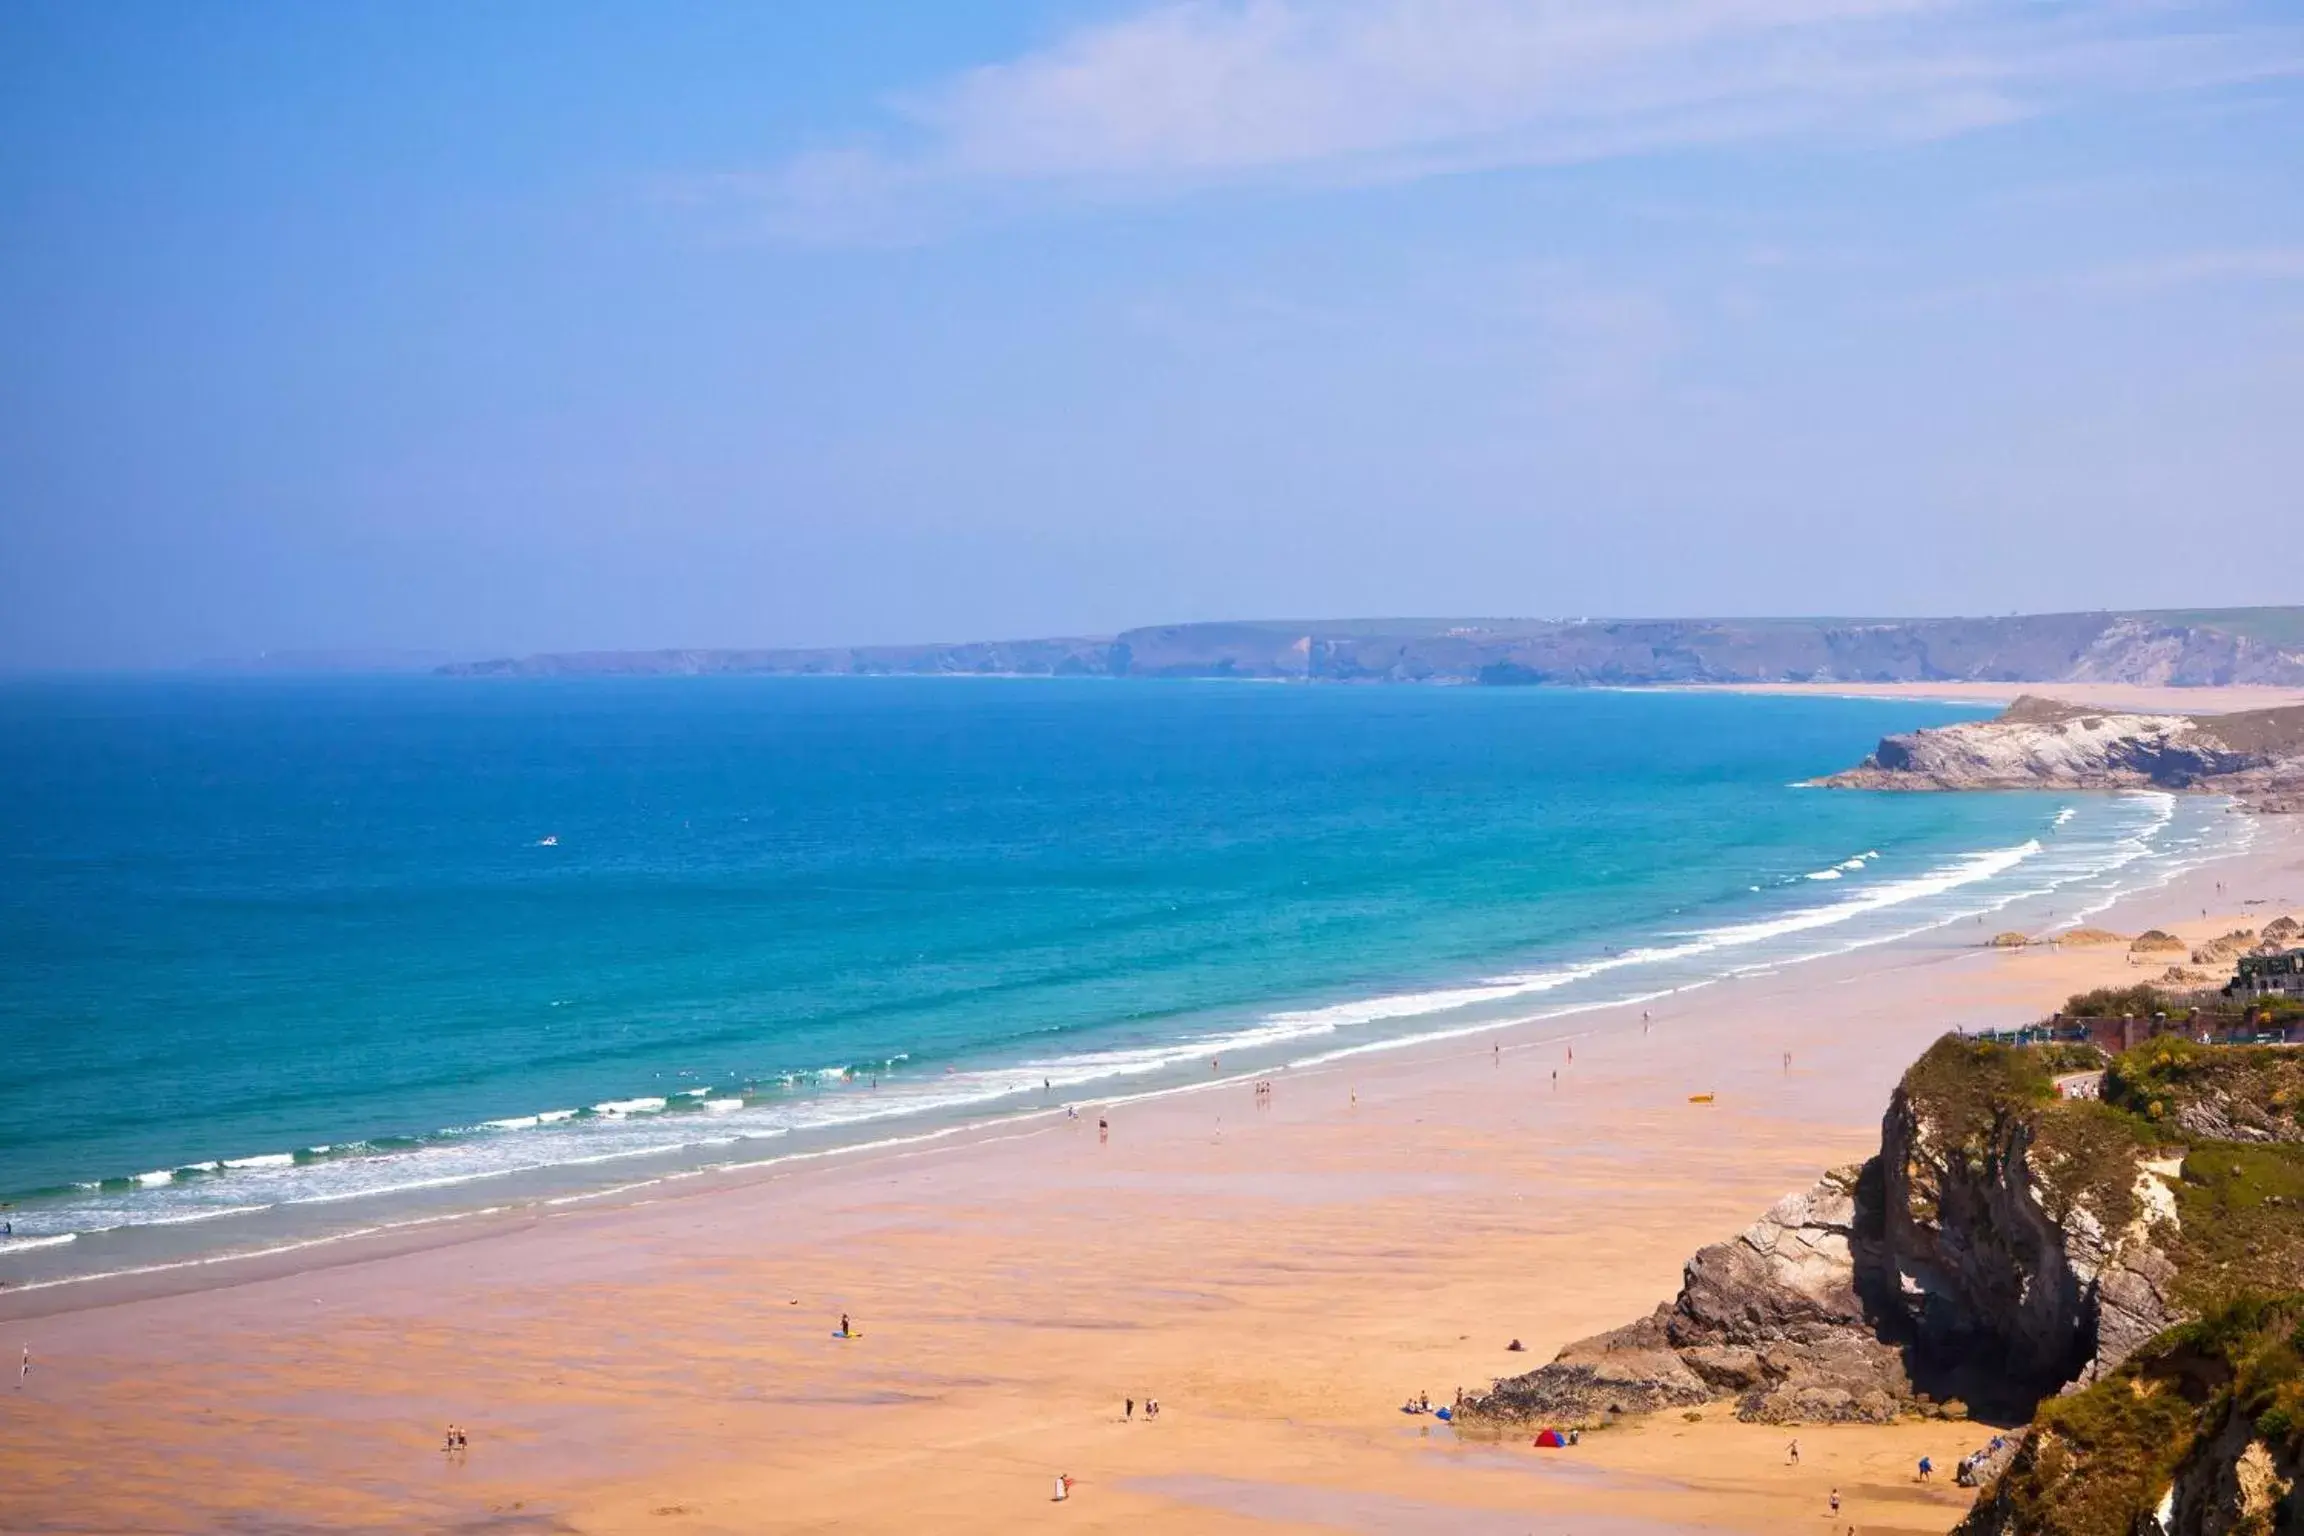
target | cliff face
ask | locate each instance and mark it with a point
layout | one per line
(2042, 744)
(2123, 1273)
(1985, 1255)
(2213, 647)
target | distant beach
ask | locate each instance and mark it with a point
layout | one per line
(2141, 698)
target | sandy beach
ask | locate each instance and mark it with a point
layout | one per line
(2143, 698)
(1278, 1277)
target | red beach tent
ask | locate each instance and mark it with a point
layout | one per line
(1550, 1439)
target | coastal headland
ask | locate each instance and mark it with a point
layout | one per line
(2256, 755)
(1278, 1271)
(2248, 648)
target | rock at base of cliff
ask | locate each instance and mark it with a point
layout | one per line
(1769, 1319)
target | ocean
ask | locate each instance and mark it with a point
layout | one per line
(286, 961)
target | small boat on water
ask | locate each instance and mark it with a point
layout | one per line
(549, 840)
(1699, 1098)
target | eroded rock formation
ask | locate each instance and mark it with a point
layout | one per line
(1983, 1255)
(2043, 744)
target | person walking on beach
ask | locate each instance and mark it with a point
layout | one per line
(1835, 1503)
(25, 1372)
(1792, 1454)
(1103, 1129)
(1127, 1408)
(1927, 1468)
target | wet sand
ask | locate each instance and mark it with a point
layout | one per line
(1280, 1278)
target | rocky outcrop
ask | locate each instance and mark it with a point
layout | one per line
(1770, 1318)
(1985, 1255)
(2043, 744)
(2121, 1272)
(2242, 1094)
(2024, 1239)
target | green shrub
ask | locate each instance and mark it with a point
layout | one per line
(2118, 1002)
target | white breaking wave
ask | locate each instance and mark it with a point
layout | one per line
(629, 1107)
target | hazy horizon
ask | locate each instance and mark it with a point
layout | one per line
(484, 333)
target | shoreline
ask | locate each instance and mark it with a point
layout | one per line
(617, 1361)
(2140, 698)
(528, 1194)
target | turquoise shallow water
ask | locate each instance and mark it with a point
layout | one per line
(282, 960)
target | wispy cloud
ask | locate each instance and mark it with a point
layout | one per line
(1212, 92)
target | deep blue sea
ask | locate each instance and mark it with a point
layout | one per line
(285, 960)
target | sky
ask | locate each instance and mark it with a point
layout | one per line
(481, 330)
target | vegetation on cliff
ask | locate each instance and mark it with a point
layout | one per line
(2205, 1422)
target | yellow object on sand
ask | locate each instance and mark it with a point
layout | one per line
(1699, 1098)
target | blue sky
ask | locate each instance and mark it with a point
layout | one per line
(486, 329)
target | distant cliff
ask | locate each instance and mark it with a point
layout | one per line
(2208, 647)
(2038, 743)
